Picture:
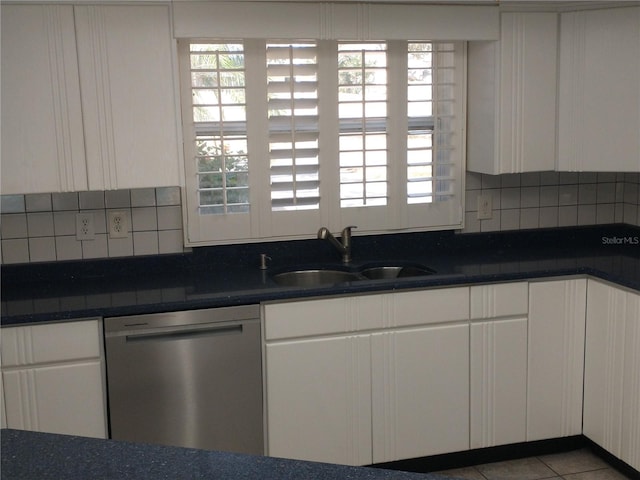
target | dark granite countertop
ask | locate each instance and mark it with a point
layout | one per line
(229, 275)
(30, 456)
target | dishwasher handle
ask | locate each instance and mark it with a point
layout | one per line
(183, 334)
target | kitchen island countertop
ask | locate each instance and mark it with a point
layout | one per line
(31, 455)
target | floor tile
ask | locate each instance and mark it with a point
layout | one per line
(468, 473)
(523, 469)
(602, 474)
(576, 461)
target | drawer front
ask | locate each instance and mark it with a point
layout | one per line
(49, 343)
(500, 300)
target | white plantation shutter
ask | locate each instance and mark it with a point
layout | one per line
(298, 135)
(292, 89)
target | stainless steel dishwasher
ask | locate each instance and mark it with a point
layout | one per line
(190, 379)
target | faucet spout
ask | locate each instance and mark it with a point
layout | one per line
(343, 246)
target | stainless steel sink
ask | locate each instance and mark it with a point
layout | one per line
(395, 271)
(314, 278)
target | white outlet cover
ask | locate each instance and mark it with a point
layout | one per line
(85, 229)
(118, 224)
(485, 207)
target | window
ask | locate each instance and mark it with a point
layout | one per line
(283, 137)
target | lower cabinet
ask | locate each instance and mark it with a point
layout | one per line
(385, 378)
(555, 364)
(53, 378)
(498, 364)
(612, 371)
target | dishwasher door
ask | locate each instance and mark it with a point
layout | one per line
(189, 379)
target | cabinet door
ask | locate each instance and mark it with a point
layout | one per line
(498, 382)
(612, 371)
(66, 398)
(555, 358)
(599, 98)
(318, 399)
(512, 96)
(420, 380)
(42, 138)
(126, 58)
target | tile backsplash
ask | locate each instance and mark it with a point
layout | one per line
(42, 227)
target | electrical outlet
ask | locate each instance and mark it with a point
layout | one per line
(85, 229)
(485, 207)
(118, 224)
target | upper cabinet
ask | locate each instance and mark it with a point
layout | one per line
(88, 98)
(125, 58)
(512, 96)
(599, 90)
(42, 138)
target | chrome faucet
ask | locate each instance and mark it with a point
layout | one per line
(343, 246)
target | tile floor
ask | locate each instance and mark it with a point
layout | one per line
(574, 465)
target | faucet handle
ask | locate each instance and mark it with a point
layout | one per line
(347, 230)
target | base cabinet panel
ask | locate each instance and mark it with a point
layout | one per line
(555, 358)
(612, 371)
(319, 400)
(420, 392)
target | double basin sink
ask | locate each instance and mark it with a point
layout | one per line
(314, 277)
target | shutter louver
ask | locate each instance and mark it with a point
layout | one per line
(292, 103)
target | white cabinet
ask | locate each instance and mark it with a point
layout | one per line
(367, 379)
(512, 87)
(130, 115)
(498, 364)
(42, 137)
(53, 376)
(612, 371)
(88, 98)
(555, 358)
(599, 90)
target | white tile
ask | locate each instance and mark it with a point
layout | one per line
(630, 213)
(510, 180)
(587, 193)
(14, 225)
(40, 224)
(604, 177)
(568, 195)
(38, 202)
(605, 213)
(12, 204)
(99, 220)
(630, 194)
(170, 241)
(529, 197)
(549, 196)
(143, 197)
(510, 198)
(530, 179)
(496, 195)
(65, 201)
(91, 200)
(567, 178)
(490, 181)
(68, 248)
(510, 219)
(117, 199)
(586, 214)
(606, 192)
(96, 248)
(42, 249)
(492, 224)
(548, 217)
(471, 200)
(568, 216)
(588, 177)
(144, 219)
(549, 178)
(145, 243)
(471, 222)
(169, 218)
(120, 247)
(15, 251)
(168, 196)
(64, 223)
(529, 218)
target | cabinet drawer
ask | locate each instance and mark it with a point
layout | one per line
(500, 300)
(431, 306)
(55, 342)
